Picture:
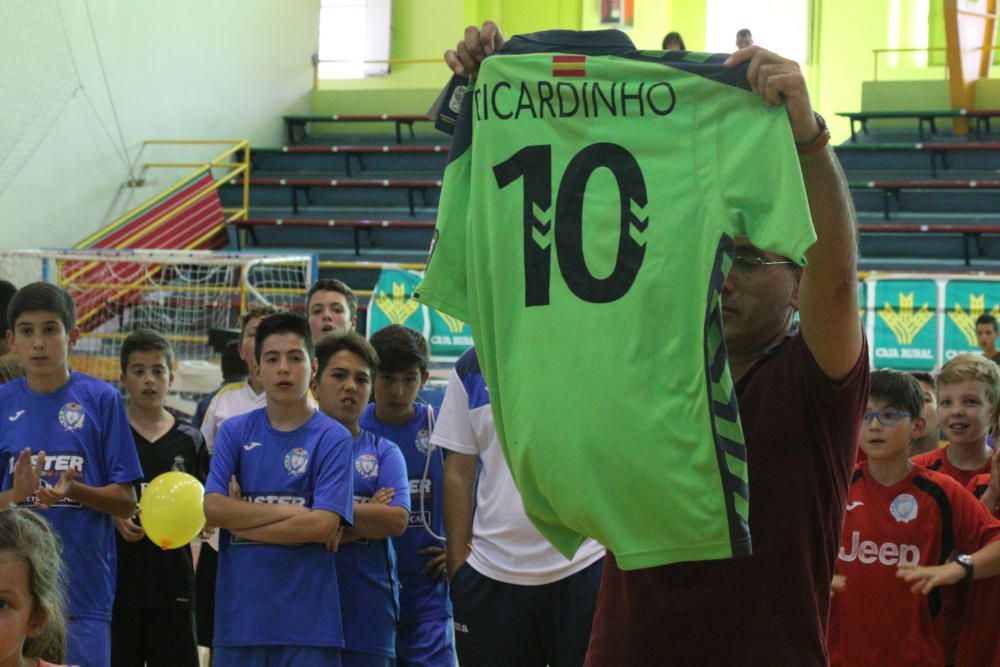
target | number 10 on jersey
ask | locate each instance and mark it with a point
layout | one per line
(534, 164)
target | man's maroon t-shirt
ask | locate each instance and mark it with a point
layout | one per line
(770, 608)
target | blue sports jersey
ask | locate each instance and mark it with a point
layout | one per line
(366, 569)
(80, 427)
(420, 596)
(269, 594)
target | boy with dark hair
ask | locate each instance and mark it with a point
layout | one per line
(239, 397)
(85, 474)
(332, 307)
(986, 336)
(931, 439)
(425, 635)
(9, 367)
(279, 486)
(903, 523)
(366, 559)
(153, 621)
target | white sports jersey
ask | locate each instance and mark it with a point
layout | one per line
(505, 545)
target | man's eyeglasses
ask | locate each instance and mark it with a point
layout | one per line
(752, 262)
(885, 417)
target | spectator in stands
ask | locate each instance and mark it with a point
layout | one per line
(744, 38)
(931, 439)
(425, 634)
(968, 398)
(233, 368)
(517, 600)
(366, 558)
(10, 368)
(986, 336)
(278, 602)
(82, 419)
(802, 394)
(154, 617)
(902, 520)
(332, 307)
(673, 42)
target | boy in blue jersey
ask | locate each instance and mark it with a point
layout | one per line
(366, 560)
(279, 486)
(425, 635)
(84, 475)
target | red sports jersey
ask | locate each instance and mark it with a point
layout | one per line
(920, 520)
(937, 460)
(953, 598)
(979, 639)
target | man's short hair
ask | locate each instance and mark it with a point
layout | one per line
(986, 318)
(743, 32)
(897, 389)
(334, 285)
(280, 323)
(7, 291)
(144, 340)
(400, 348)
(255, 311)
(42, 297)
(351, 341)
(232, 365)
(674, 37)
(925, 377)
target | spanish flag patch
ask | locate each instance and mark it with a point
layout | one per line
(569, 66)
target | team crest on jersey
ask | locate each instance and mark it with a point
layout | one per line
(71, 416)
(367, 466)
(296, 461)
(423, 441)
(903, 508)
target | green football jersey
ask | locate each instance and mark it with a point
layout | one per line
(586, 227)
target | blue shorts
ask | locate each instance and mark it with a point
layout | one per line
(88, 642)
(356, 659)
(275, 656)
(426, 643)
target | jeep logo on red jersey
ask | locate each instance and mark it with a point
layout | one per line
(887, 553)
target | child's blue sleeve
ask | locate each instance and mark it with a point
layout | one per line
(334, 489)
(392, 473)
(224, 461)
(121, 460)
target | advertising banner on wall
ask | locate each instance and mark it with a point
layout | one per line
(905, 331)
(965, 301)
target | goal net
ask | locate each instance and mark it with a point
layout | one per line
(182, 295)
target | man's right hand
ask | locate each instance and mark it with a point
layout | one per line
(478, 43)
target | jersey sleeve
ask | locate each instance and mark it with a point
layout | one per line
(210, 424)
(445, 284)
(761, 179)
(224, 462)
(975, 527)
(453, 427)
(334, 490)
(392, 473)
(121, 459)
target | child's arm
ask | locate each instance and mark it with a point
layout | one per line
(238, 515)
(118, 500)
(985, 564)
(310, 525)
(380, 520)
(991, 498)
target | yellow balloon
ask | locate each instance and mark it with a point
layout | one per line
(173, 510)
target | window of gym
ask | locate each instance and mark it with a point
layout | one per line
(353, 37)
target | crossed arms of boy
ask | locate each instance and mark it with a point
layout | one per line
(118, 500)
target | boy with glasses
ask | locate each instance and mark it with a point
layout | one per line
(903, 523)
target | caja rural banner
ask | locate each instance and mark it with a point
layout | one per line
(918, 323)
(392, 302)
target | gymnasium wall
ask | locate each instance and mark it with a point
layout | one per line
(177, 69)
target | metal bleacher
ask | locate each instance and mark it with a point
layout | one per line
(925, 205)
